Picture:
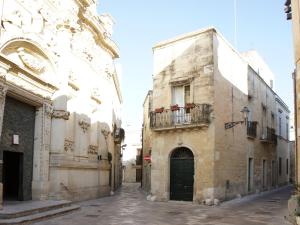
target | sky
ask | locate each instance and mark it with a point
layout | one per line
(261, 25)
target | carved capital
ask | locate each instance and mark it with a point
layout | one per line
(69, 145)
(93, 150)
(84, 125)
(3, 90)
(48, 109)
(61, 114)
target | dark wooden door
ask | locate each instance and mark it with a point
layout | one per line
(182, 175)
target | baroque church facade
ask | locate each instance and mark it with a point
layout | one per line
(60, 101)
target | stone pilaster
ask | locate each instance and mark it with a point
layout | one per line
(3, 90)
(40, 183)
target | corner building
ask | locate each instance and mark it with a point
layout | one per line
(60, 101)
(202, 148)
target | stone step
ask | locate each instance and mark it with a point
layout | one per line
(21, 209)
(28, 219)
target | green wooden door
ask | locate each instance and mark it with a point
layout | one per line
(182, 175)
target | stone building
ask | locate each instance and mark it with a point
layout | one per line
(60, 101)
(147, 143)
(132, 154)
(203, 148)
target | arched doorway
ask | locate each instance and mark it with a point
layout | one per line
(182, 174)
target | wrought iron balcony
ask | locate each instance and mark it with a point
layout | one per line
(193, 115)
(251, 129)
(268, 136)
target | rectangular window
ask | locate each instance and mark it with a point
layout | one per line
(250, 174)
(279, 126)
(187, 94)
(287, 131)
(279, 166)
(287, 166)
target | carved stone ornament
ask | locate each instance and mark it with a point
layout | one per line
(61, 114)
(84, 125)
(31, 61)
(105, 133)
(69, 146)
(93, 150)
(48, 109)
(3, 73)
(3, 90)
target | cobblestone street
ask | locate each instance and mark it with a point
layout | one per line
(129, 206)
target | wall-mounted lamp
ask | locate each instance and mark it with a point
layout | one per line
(245, 112)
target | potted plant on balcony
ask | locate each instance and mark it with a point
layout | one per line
(159, 110)
(174, 107)
(190, 105)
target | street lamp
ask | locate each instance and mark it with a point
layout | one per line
(245, 112)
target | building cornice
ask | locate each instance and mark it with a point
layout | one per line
(101, 37)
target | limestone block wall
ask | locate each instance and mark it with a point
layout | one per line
(199, 142)
(147, 143)
(239, 85)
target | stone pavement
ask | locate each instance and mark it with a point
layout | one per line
(129, 206)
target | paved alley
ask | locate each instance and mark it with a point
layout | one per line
(129, 206)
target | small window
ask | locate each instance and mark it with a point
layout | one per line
(279, 166)
(287, 166)
(279, 126)
(287, 131)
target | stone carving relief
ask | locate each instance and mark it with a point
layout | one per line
(30, 61)
(48, 109)
(84, 45)
(61, 114)
(3, 72)
(3, 90)
(22, 20)
(105, 133)
(69, 146)
(93, 150)
(84, 125)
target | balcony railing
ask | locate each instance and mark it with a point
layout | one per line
(251, 129)
(191, 115)
(268, 136)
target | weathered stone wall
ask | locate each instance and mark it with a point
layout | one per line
(147, 143)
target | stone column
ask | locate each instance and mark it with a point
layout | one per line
(40, 182)
(3, 90)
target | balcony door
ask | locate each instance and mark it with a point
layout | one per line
(181, 96)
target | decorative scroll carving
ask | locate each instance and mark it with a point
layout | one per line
(61, 114)
(105, 133)
(30, 61)
(69, 145)
(84, 125)
(93, 150)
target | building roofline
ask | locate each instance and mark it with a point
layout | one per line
(148, 93)
(183, 36)
(282, 103)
